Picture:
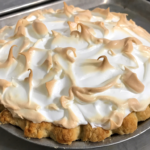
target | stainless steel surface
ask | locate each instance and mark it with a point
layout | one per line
(7, 6)
(139, 11)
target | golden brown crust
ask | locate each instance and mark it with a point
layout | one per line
(143, 115)
(94, 134)
(67, 136)
(37, 130)
(41, 130)
(6, 117)
(128, 126)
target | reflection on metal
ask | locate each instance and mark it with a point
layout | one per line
(13, 5)
(105, 1)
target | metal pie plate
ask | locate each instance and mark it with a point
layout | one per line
(114, 139)
(139, 11)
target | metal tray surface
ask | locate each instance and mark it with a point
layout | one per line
(139, 11)
(12, 5)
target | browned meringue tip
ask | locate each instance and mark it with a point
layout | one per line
(29, 80)
(4, 84)
(64, 99)
(131, 80)
(72, 25)
(46, 11)
(27, 55)
(10, 58)
(83, 16)
(104, 12)
(50, 86)
(64, 52)
(55, 33)
(103, 28)
(20, 32)
(38, 14)
(21, 22)
(73, 50)
(86, 34)
(31, 73)
(105, 63)
(124, 23)
(11, 52)
(68, 10)
(65, 5)
(39, 27)
(53, 106)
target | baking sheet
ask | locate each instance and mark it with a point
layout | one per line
(139, 11)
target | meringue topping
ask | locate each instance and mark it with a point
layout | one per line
(55, 66)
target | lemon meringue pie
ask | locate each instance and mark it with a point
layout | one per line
(74, 74)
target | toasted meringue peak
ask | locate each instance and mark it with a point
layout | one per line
(102, 27)
(68, 9)
(38, 14)
(9, 60)
(132, 82)
(39, 27)
(124, 23)
(50, 85)
(86, 34)
(104, 12)
(47, 11)
(83, 16)
(29, 78)
(4, 84)
(72, 26)
(65, 99)
(20, 32)
(54, 33)
(105, 63)
(53, 106)
(28, 54)
(21, 22)
(65, 53)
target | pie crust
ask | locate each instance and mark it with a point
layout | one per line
(67, 136)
